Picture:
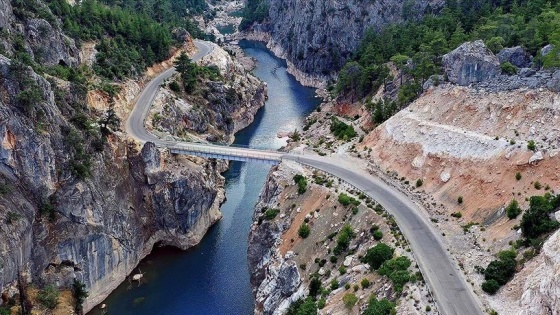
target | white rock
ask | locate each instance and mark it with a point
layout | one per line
(557, 216)
(308, 216)
(322, 271)
(348, 261)
(445, 176)
(103, 306)
(289, 255)
(360, 268)
(298, 210)
(554, 153)
(418, 161)
(137, 277)
(536, 157)
(282, 216)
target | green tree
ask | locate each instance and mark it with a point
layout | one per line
(188, 72)
(377, 255)
(380, 307)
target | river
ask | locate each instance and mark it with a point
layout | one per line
(213, 277)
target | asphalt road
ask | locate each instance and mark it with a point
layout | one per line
(451, 292)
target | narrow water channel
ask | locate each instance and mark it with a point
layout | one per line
(213, 277)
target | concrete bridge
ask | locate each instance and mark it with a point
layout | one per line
(226, 152)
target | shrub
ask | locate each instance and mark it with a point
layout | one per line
(419, 183)
(537, 185)
(48, 297)
(536, 220)
(333, 259)
(531, 145)
(377, 255)
(304, 230)
(490, 287)
(80, 294)
(508, 68)
(377, 235)
(502, 269)
(303, 307)
(460, 200)
(271, 214)
(396, 269)
(457, 215)
(175, 86)
(342, 270)
(321, 303)
(518, 176)
(346, 200)
(343, 239)
(334, 284)
(365, 283)
(349, 300)
(301, 181)
(513, 210)
(341, 130)
(380, 307)
(314, 286)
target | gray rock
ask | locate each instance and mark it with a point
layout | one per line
(547, 49)
(538, 156)
(526, 72)
(50, 46)
(434, 80)
(471, 62)
(517, 56)
(554, 82)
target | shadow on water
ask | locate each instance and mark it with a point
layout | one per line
(213, 277)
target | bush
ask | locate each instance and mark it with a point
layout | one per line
(271, 214)
(349, 300)
(377, 255)
(346, 200)
(531, 145)
(380, 307)
(490, 287)
(341, 130)
(518, 176)
(508, 68)
(334, 284)
(80, 294)
(303, 307)
(304, 230)
(537, 185)
(502, 269)
(377, 235)
(314, 286)
(301, 181)
(175, 86)
(419, 183)
(396, 269)
(457, 215)
(365, 283)
(343, 239)
(460, 200)
(48, 297)
(513, 210)
(536, 220)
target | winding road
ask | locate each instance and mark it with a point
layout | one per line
(451, 292)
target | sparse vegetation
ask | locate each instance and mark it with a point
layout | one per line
(341, 130)
(343, 239)
(457, 215)
(380, 307)
(349, 300)
(270, 214)
(346, 200)
(365, 283)
(396, 269)
(531, 145)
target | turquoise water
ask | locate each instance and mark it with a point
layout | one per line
(213, 277)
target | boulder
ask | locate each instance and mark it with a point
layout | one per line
(471, 62)
(554, 83)
(538, 156)
(546, 50)
(517, 56)
(526, 72)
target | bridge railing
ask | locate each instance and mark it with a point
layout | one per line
(226, 151)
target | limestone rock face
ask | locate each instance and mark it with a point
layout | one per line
(541, 293)
(318, 36)
(49, 45)
(554, 83)
(104, 223)
(517, 56)
(471, 62)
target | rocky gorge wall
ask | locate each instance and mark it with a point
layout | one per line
(79, 200)
(317, 37)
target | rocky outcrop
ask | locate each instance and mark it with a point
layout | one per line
(470, 63)
(517, 56)
(554, 83)
(317, 37)
(228, 105)
(541, 292)
(78, 204)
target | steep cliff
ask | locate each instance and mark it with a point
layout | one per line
(77, 199)
(317, 37)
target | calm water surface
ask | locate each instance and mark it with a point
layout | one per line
(213, 277)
